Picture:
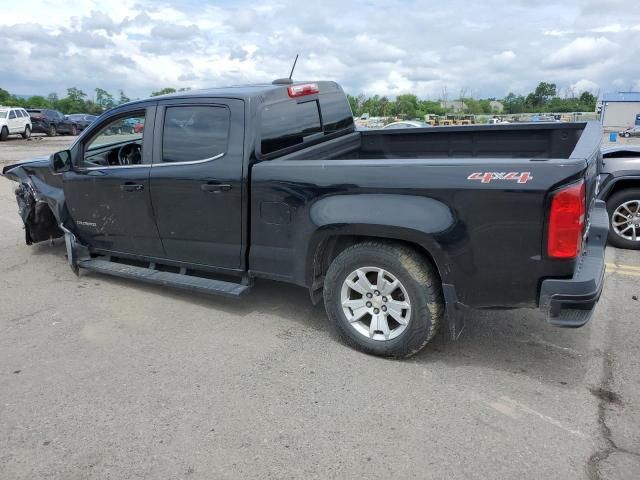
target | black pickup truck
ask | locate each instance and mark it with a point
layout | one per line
(397, 230)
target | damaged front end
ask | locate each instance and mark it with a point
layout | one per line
(39, 222)
(41, 205)
(40, 199)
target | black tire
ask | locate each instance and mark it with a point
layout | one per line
(613, 202)
(420, 281)
(4, 134)
(52, 131)
(27, 132)
(74, 130)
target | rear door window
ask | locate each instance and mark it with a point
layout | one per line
(286, 124)
(194, 133)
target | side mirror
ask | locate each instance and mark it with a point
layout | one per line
(60, 161)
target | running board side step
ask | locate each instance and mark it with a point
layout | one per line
(169, 279)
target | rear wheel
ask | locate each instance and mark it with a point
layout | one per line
(383, 299)
(624, 218)
(27, 132)
(52, 131)
(4, 134)
(74, 130)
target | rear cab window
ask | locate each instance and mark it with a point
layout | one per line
(293, 122)
(286, 124)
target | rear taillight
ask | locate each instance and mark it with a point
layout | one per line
(566, 222)
(303, 89)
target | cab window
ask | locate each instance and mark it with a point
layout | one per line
(118, 143)
(194, 133)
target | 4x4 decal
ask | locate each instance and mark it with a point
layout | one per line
(486, 177)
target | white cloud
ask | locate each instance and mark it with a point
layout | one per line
(584, 85)
(582, 52)
(613, 28)
(370, 47)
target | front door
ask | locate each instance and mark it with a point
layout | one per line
(107, 192)
(196, 180)
(14, 122)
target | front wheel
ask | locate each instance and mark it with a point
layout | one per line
(624, 217)
(627, 135)
(74, 130)
(27, 132)
(4, 134)
(383, 299)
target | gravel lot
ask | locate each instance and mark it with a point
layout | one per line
(105, 378)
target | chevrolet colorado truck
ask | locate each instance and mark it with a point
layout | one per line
(398, 231)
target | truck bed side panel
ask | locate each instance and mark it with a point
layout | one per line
(470, 228)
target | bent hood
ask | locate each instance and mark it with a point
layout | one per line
(31, 164)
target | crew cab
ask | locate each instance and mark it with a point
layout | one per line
(398, 231)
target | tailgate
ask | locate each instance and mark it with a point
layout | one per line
(588, 149)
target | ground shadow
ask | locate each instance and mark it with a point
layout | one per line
(517, 341)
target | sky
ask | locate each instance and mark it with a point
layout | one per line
(484, 49)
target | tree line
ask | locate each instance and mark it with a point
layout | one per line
(545, 98)
(76, 101)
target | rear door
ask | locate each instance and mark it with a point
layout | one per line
(196, 180)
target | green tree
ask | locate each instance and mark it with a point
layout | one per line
(4, 96)
(123, 98)
(164, 91)
(407, 105)
(38, 101)
(52, 98)
(514, 103)
(104, 99)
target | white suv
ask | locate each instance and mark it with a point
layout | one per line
(14, 120)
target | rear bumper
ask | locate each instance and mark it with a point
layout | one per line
(570, 302)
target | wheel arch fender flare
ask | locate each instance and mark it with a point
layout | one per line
(408, 218)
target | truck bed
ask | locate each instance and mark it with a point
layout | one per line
(531, 141)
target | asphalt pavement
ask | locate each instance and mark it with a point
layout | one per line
(106, 378)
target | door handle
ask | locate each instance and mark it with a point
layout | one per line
(215, 187)
(131, 187)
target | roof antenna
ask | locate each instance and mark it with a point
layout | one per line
(294, 67)
(287, 81)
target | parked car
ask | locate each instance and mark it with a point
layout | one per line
(630, 132)
(14, 121)
(398, 231)
(620, 188)
(51, 122)
(82, 120)
(406, 124)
